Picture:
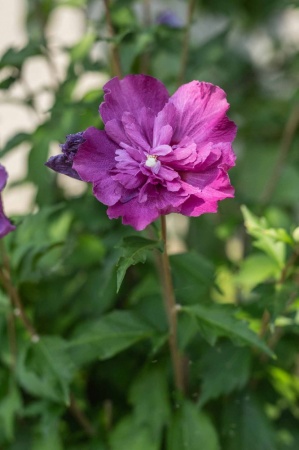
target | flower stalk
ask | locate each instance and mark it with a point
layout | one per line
(13, 294)
(114, 50)
(186, 42)
(19, 311)
(285, 145)
(171, 309)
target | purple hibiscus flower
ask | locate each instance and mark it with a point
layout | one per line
(158, 154)
(5, 225)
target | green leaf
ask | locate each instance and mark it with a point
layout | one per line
(104, 338)
(127, 435)
(193, 276)
(286, 384)
(269, 240)
(256, 269)
(14, 57)
(234, 373)
(134, 250)
(4, 303)
(48, 442)
(10, 405)
(245, 425)
(219, 320)
(71, 3)
(8, 82)
(191, 430)
(45, 369)
(152, 411)
(92, 444)
(81, 49)
(14, 141)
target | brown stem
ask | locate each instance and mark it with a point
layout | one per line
(16, 302)
(171, 310)
(186, 42)
(145, 58)
(278, 332)
(11, 327)
(286, 142)
(81, 418)
(284, 273)
(291, 261)
(114, 50)
(265, 322)
(13, 294)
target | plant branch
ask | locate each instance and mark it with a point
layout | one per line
(81, 418)
(285, 145)
(11, 328)
(114, 50)
(145, 57)
(5, 278)
(171, 310)
(186, 42)
(283, 276)
(291, 261)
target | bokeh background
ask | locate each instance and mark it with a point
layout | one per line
(249, 50)
(83, 386)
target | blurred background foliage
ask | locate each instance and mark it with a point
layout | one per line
(99, 377)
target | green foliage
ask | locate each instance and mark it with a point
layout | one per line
(45, 369)
(245, 424)
(235, 364)
(108, 336)
(98, 375)
(134, 250)
(191, 429)
(215, 321)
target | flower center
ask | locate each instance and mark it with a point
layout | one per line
(151, 161)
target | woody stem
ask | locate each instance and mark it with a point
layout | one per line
(114, 49)
(171, 309)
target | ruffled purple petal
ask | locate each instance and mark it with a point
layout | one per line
(131, 95)
(152, 202)
(3, 177)
(202, 111)
(116, 132)
(96, 156)
(164, 124)
(5, 225)
(205, 190)
(213, 184)
(138, 215)
(134, 132)
(195, 206)
(108, 191)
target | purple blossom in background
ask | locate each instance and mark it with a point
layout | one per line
(170, 19)
(5, 225)
(158, 154)
(63, 163)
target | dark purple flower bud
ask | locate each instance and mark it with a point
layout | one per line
(170, 19)
(63, 163)
(5, 225)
